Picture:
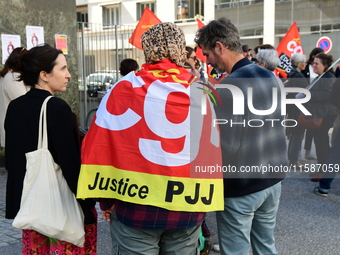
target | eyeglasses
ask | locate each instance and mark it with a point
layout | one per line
(194, 58)
(315, 63)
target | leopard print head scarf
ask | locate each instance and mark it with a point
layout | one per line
(164, 40)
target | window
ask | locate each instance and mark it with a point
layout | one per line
(324, 28)
(111, 16)
(189, 9)
(82, 17)
(336, 26)
(141, 7)
(227, 4)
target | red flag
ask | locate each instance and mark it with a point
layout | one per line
(199, 53)
(149, 138)
(147, 20)
(289, 45)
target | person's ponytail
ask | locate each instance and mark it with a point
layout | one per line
(12, 62)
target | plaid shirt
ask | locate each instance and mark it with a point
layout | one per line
(151, 217)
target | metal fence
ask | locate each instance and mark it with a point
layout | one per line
(100, 50)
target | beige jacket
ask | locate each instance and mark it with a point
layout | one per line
(10, 89)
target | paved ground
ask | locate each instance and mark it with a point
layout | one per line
(307, 224)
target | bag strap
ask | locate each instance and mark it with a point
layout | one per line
(42, 137)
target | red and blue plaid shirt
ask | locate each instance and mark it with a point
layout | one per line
(151, 217)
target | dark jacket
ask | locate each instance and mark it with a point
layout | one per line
(306, 72)
(251, 148)
(337, 72)
(319, 104)
(21, 125)
(335, 94)
(295, 79)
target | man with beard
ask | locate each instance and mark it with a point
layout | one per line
(251, 193)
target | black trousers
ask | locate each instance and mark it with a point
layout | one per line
(321, 139)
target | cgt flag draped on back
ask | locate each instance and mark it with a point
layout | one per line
(289, 45)
(147, 20)
(150, 144)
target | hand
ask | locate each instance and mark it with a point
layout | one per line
(300, 95)
(106, 215)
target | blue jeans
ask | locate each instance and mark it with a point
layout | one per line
(249, 221)
(334, 158)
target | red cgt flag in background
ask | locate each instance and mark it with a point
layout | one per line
(147, 20)
(199, 53)
(289, 45)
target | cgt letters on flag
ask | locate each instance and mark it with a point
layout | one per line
(289, 45)
(146, 139)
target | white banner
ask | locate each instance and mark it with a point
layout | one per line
(9, 43)
(34, 36)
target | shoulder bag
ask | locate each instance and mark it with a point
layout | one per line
(48, 206)
(309, 122)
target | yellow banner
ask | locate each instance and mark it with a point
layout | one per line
(171, 193)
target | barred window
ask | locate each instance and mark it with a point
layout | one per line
(189, 9)
(111, 16)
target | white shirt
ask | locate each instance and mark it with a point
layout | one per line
(312, 75)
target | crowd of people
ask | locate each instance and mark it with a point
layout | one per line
(316, 75)
(248, 201)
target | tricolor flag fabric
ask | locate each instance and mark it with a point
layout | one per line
(147, 20)
(150, 143)
(289, 45)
